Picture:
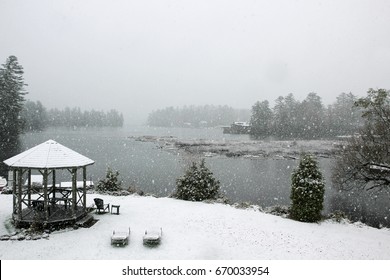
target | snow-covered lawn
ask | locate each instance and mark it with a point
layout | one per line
(196, 230)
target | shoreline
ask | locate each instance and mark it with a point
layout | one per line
(248, 149)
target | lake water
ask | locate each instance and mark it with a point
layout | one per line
(265, 182)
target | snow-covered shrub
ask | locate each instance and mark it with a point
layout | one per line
(307, 191)
(111, 183)
(197, 184)
(133, 189)
(338, 216)
(243, 205)
(277, 210)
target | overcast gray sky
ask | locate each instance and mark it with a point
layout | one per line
(140, 55)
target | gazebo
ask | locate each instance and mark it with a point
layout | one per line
(48, 202)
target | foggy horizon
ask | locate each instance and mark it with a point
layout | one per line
(141, 56)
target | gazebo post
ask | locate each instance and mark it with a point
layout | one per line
(74, 191)
(29, 188)
(54, 179)
(54, 182)
(20, 174)
(45, 198)
(14, 190)
(84, 188)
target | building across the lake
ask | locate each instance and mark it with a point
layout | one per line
(237, 128)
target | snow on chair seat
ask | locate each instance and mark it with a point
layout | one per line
(152, 237)
(120, 238)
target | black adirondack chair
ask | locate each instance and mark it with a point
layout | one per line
(100, 206)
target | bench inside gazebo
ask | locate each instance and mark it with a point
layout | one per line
(38, 198)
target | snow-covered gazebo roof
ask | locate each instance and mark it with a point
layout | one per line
(48, 155)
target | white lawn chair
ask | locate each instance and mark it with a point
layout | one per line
(152, 237)
(120, 238)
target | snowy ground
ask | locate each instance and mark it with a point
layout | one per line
(196, 230)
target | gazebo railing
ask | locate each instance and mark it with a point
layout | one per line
(58, 199)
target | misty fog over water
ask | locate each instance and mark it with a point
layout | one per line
(139, 56)
(148, 167)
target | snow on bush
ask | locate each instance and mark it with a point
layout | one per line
(197, 184)
(111, 183)
(307, 191)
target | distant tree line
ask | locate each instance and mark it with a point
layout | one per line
(196, 116)
(74, 117)
(36, 117)
(309, 119)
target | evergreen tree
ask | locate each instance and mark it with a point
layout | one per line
(11, 100)
(34, 116)
(11, 103)
(364, 163)
(292, 107)
(261, 120)
(307, 191)
(197, 184)
(281, 118)
(111, 183)
(313, 117)
(343, 117)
